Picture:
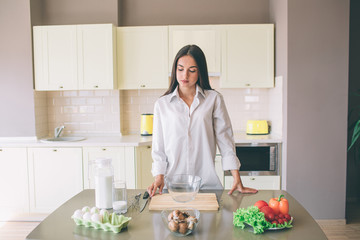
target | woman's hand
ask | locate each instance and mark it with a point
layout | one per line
(159, 183)
(237, 184)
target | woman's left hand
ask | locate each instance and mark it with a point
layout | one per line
(237, 184)
(239, 187)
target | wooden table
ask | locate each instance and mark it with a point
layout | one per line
(148, 224)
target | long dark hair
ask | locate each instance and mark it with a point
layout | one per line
(199, 57)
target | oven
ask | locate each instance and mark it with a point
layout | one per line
(257, 159)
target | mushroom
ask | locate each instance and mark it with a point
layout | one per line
(191, 220)
(170, 217)
(183, 227)
(178, 216)
(173, 226)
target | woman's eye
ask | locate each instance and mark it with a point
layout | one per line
(180, 69)
(192, 71)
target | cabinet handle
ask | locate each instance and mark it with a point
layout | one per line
(61, 87)
(252, 179)
(54, 150)
(104, 149)
(248, 84)
(96, 86)
(0, 150)
(142, 85)
(148, 147)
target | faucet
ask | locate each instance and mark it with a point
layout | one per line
(58, 131)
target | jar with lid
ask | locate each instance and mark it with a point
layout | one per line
(104, 177)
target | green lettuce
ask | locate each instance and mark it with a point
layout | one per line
(251, 216)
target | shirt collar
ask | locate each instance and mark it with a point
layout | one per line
(199, 92)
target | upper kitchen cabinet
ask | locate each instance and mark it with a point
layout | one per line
(75, 57)
(207, 37)
(142, 57)
(247, 56)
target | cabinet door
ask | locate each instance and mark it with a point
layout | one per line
(207, 37)
(96, 56)
(123, 161)
(247, 56)
(143, 167)
(142, 56)
(55, 58)
(55, 175)
(13, 183)
(258, 182)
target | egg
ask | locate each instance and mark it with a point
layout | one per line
(102, 211)
(96, 217)
(94, 210)
(183, 227)
(85, 209)
(78, 214)
(87, 216)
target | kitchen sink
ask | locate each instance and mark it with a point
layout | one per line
(63, 139)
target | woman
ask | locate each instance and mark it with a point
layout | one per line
(190, 120)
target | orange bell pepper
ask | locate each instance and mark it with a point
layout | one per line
(279, 205)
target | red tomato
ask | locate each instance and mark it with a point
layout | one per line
(267, 210)
(281, 215)
(271, 217)
(280, 221)
(288, 217)
(260, 204)
(276, 222)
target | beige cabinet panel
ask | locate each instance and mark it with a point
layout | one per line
(247, 56)
(207, 37)
(13, 183)
(55, 58)
(258, 182)
(143, 167)
(55, 175)
(75, 57)
(142, 57)
(123, 162)
(97, 56)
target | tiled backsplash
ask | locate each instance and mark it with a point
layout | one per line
(111, 112)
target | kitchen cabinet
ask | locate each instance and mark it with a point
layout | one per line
(142, 57)
(247, 56)
(75, 57)
(144, 176)
(258, 182)
(13, 183)
(55, 175)
(207, 37)
(123, 162)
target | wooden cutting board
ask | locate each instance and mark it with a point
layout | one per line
(202, 201)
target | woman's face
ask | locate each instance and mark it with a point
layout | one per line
(187, 72)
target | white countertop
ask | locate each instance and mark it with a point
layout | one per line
(122, 141)
(101, 141)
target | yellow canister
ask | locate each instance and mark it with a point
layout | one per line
(146, 124)
(257, 127)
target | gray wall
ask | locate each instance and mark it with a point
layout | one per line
(165, 12)
(17, 118)
(318, 35)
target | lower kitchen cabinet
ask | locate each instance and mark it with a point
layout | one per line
(144, 176)
(123, 162)
(258, 182)
(55, 175)
(14, 198)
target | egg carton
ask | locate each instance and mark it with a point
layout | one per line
(124, 221)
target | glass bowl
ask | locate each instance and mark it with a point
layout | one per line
(189, 221)
(183, 187)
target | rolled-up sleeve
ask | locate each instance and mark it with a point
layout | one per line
(224, 135)
(159, 164)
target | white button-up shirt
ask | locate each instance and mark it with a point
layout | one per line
(185, 139)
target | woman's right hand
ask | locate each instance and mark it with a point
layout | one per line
(159, 183)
